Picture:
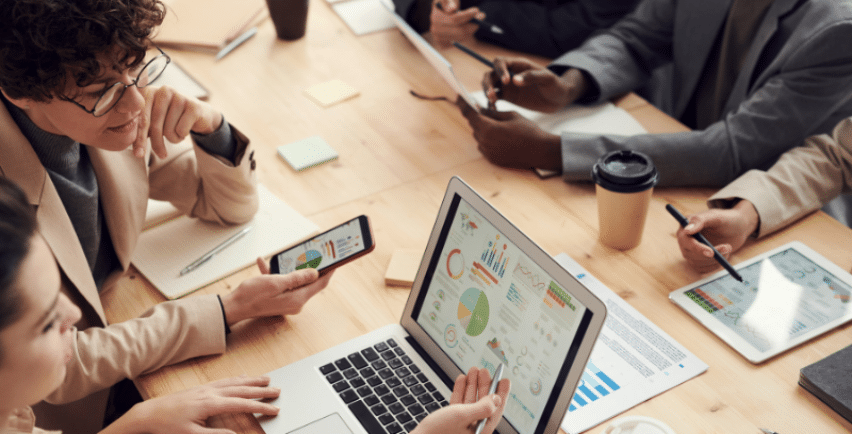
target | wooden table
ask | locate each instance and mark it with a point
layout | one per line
(397, 154)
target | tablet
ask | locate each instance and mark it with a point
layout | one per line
(788, 296)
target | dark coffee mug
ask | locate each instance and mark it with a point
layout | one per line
(290, 18)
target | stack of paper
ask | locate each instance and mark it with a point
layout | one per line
(165, 249)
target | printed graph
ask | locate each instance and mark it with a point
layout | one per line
(594, 384)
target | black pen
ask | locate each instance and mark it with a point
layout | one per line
(716, 255)
(477, 21)
(474, 54)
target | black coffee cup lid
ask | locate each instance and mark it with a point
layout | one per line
(625, 172)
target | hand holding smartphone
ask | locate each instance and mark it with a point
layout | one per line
(328, 250)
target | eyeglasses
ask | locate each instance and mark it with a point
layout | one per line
(148, 74)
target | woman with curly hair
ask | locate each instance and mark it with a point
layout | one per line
(89, 142)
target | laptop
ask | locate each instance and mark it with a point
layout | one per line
(484, 294)
(439, 62)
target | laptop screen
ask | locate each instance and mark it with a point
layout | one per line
(485, 302)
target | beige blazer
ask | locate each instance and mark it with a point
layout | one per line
(197, 183)
(802, 181)
(168, 333)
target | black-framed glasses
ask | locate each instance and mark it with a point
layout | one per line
(148, 74)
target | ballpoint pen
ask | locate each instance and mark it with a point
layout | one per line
(206, 257)
(474, 54)
(485, 24)
(768, 431)
(498, 374)
(701, 239)
(236, 42)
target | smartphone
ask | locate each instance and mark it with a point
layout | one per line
(328, 250)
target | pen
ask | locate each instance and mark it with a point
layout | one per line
(236, 42)
(493, 27)
(474, 54)
(498, 374)
(716, 255)
(768, 431)
(206, 257)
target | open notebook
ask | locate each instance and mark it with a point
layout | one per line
(171, 243)
(207, 25)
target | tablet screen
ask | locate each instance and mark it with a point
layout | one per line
(783, 298)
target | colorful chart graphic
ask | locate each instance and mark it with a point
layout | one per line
(535, 387)
(455, 264)
(473, 311)
(311, 258)
(595, 384)
(451, 338)
(494, 346)
(494, 256)
(436, 305)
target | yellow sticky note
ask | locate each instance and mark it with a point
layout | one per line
(403, 267)
(331, 92)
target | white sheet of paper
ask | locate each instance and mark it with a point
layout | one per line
(633, 360)
(166, 249)
(363, 16)
(603, 118)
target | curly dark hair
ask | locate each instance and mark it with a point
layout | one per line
(43, 43)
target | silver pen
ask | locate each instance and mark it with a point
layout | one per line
(236, 42)
(768, 431)
(206, 257)
(498, 375)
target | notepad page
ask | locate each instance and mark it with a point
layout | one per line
(163, 251)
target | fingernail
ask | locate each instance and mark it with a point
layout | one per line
(496, 399)
(690, 227)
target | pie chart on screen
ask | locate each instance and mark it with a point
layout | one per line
(473, 311)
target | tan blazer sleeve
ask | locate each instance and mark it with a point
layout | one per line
(167, 333)
(205, 186)
(802, 181)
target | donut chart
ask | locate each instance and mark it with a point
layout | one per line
(473, 311)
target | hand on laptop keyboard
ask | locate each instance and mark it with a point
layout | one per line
(465, 411)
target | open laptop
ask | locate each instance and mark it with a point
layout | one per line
(439, 62)
(485, 294)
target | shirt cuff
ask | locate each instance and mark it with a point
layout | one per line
(220, 142)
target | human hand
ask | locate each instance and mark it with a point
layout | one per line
(187, 412)
(448, 23)
(272, 294)
(531, 85)
(726, 229)
(510, 140)
(465, 411)
(170, 115)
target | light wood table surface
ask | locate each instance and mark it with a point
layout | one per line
(397, 154)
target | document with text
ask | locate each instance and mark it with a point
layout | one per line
(633, 360)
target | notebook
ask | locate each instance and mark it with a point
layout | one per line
(171, 243)
(830, 380)
(485, 294)
(209, 25)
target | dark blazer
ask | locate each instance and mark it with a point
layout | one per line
(543, 27)
(796, 82)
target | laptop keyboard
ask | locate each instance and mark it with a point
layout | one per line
(383, 388)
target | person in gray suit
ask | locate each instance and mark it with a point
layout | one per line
(752, 78)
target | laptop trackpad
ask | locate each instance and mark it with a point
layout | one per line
(331, 424)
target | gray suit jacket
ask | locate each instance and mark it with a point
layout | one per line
(796, 82)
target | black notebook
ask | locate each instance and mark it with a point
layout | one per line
(830, 380)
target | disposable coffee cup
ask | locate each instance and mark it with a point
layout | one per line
(290, 18)
(624, 183)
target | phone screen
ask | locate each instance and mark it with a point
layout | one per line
(325, 249)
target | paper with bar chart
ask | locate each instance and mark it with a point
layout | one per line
(633, 360)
